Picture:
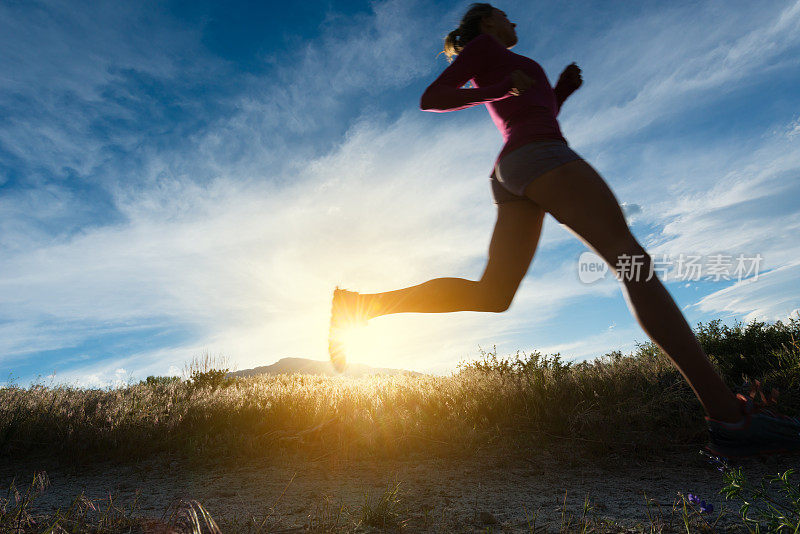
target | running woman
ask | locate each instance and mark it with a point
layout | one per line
(535, 173)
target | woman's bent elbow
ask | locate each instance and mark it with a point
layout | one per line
(425, 102)
(437, 102)
(431, 100)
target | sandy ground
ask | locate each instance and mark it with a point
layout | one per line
(478, 494)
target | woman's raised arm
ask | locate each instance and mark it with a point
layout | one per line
(446, 92)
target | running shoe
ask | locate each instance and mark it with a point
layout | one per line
(761, 430)
(345, 313)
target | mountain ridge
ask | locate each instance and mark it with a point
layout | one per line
(291, 365)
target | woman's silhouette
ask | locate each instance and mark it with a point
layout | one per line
(536, 173)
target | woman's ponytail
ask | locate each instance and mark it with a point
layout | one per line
(451, 45)
(469, 28)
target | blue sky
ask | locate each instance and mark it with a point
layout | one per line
(181, 177)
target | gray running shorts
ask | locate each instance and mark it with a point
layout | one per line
(520, 167)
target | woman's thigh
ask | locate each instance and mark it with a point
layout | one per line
(578, 197)
(513, 245)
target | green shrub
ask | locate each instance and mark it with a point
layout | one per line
(160, 381)
(750, 352)
(213, 378)
(207, 371)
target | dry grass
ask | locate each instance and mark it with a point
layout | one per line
(626, 402)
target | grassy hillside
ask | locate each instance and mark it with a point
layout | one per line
(632, 402)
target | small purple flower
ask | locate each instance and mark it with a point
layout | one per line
(720, 462)
(694, 499)
(706, 507)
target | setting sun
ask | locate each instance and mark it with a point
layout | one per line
(361, 343)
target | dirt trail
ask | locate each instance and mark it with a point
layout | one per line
(436, 495)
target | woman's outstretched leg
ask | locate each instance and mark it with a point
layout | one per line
(440, 295)
(579, 198)
(514, 240)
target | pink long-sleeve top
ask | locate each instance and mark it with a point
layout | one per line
(488, 64)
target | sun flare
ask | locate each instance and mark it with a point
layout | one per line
(362, 344)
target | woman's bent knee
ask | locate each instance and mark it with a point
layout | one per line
(497, 303)
(500, 307)
(494, 299)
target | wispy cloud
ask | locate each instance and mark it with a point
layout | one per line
(670, 71)
(766, 298)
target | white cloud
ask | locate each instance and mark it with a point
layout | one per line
(745, 203)
(597, 345)
(770, 297)
(669, 71)
(793, 129)
(631, 211)
(64, 56)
